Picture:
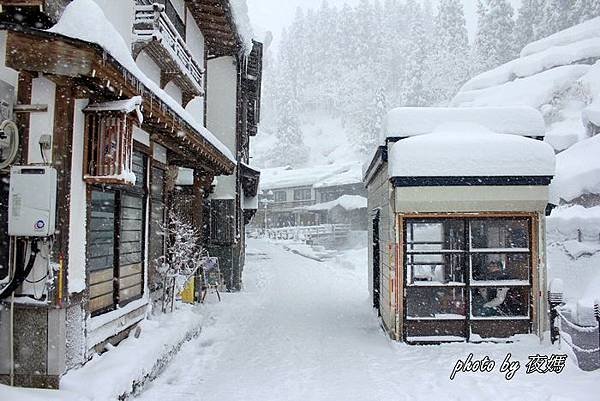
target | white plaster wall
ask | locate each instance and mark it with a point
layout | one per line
(221, 97)
(148, 67)
(194, 39)
(141, 136)
(196, 109)
(8, 75)
(174, 91)
(121, 14)
(159, 153)
(179, 6)
(43, 91)
(76, 272)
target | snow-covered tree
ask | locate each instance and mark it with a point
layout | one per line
(494, 43)
(290, 148)
(450, 66)
(417, 52)
(182, 258)
(584, 10)
(527, 27)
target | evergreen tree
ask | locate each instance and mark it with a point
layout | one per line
(494, 45)
(584, 10)
(414, 93)
(527, 27)
(290, 148)
(450, 52)
(557, 15)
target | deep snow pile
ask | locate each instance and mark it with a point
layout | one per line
(305, 330)
(466, 150)
(577, 171)
(559, 75)
(346, 202)
(410, 121)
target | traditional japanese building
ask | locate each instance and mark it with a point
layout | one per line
(458, 199)
(302, 197)
(105, 108)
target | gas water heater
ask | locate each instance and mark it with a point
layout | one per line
(32, 201)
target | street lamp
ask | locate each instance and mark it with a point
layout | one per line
(265, 201)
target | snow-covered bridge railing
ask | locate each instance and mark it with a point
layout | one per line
(311, 234)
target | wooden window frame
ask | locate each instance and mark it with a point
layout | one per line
(120, 192)
(402, 299)
(96, 170)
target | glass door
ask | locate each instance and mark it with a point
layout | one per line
(467, 278)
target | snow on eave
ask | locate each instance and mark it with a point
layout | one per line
(317, 176)
(468, 150)
(411, 121)
(586, 30)
(124, 106)
(239, 11)
(84, 20)
(346, 202)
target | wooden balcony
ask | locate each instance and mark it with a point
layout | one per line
(155, 34)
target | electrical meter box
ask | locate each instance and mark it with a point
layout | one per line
(32, 201)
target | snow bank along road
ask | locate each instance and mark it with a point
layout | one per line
(304, 330)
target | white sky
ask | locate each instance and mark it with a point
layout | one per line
(274, 15)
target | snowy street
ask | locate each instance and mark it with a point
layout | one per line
(304, 330)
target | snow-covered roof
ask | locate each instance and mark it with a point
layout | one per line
(123, 106)
(577, 171)
(410, 121)
(470, 150)
(347, 202)
(586, 30)
(318, 176)
(239, 10)
(85, 20)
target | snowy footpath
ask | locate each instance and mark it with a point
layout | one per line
(304, 330)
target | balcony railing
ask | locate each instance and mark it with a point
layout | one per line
(154, 31)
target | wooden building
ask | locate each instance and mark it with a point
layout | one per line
(457, 239)
(115, 99)
(287, 194)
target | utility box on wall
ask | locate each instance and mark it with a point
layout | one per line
(32, 201)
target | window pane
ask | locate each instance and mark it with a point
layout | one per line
(500, 233)
(131, 238)
(437, 303)
(302, 194)
(494, 266)
(440, 235)
(440, 269)
(500, 302)
(100, 247)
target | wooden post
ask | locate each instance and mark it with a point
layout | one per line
(62, 145)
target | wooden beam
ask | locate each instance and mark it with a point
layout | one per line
(49, 55)
(30, 108)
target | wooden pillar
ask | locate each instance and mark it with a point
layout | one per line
(61, 158)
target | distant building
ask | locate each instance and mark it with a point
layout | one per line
(291, 197)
